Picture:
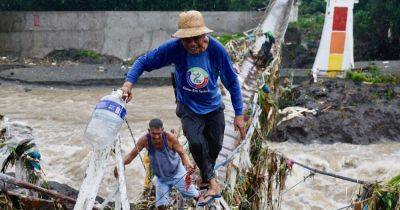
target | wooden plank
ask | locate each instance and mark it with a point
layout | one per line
(226, 151)
(231, 135)
(229, 142)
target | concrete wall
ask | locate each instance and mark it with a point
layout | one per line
(122, 34)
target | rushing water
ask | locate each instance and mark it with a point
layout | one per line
(59, 116)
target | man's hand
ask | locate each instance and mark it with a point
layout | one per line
(116, 172)
(190, 168)
(239, 125)
(126, 91)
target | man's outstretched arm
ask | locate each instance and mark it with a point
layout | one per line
(177, 147)
(154, 59)
(132, 154)
(230, 80)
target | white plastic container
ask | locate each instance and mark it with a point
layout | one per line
(106, 120)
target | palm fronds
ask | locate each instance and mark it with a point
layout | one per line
(395, 181)
(16, 153)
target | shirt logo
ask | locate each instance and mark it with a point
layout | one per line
(197, 77)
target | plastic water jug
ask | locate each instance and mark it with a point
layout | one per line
(106, 120)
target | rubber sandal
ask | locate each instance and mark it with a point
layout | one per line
(208, 201)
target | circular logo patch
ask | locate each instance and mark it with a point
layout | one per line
(197, 77)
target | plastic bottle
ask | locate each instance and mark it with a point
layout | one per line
(106, 120)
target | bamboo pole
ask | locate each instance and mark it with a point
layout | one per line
(30, 186)
(33, 202)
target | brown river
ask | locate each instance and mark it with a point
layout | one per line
(58, 117)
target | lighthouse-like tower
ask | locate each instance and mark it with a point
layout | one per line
(335, 52)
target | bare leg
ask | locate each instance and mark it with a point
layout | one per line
(214, 188)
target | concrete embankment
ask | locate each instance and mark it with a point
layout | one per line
(120, 34)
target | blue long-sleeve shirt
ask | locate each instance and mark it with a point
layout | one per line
(196, 76)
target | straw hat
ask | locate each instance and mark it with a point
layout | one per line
(190, 24)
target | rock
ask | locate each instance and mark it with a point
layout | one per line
(347, 112)
(318, 92)
(101, 69)
(396, 91)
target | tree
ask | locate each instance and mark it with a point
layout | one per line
(377, 36)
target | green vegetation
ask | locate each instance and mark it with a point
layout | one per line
(15, 153)
(311, 7)
(225, 38)
(130, 5)
(310, 25)
(286, 98)
(304, 35)
(377, 30)
(311, 16)
(372, 75)
(80, 55)
(88, 54)
(384, 196)
(131, 61)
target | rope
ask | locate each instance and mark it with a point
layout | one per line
(280, 195)
(236, 151)
(134, 142)
(330, 174)
(314, 170)
(346, 207)
(231, 157)
(301, 181)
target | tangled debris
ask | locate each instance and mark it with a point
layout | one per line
(380, 196)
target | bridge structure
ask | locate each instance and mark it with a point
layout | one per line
(234, 156)
(335, 54)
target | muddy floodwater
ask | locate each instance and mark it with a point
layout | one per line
(58, 117)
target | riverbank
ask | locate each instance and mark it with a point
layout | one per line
(77, 73)
(340, 110)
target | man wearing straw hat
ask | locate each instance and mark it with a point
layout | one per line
(199, 61)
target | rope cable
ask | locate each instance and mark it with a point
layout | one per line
(134, 142)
